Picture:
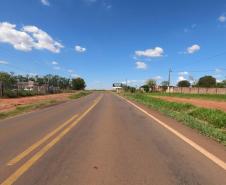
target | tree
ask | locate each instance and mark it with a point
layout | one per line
(78, 84)
(207, 81)
(145, 87)
(151, 84)
(165, 85)
(7, 79)
(184, 83)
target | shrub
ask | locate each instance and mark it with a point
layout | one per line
(24, 93)
(10, 93)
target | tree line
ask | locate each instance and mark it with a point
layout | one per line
(10, 81)
(205, 81)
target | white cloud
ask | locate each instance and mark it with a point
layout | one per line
(181, 78)
(57, 68)
(19, 39)
(54, 62)
(194, 48)
(27, 38)
(141, 65)
(156, 52)
(182, 75)
(222, 18)
(3, 62)
(80, 49)
(43, 40)
(45, 2)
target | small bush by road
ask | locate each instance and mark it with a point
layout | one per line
(80, 94)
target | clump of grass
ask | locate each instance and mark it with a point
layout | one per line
(80, 94)
(209, 122)
(27, 108)
(214, 117)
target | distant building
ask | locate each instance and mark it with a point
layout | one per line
(30, 85)
(33, 86)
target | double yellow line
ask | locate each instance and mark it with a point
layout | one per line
(21, 170)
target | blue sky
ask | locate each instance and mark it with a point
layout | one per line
(106, 41)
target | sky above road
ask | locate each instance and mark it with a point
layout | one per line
(106, 41)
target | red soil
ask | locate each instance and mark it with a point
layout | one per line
(11, 103)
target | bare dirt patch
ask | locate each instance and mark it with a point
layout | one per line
(7, 104)
(197, 102)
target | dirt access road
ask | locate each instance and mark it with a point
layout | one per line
(7, 104)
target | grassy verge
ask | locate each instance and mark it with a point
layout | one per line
(216, 97)
(80, 94)
(209, 122)
(27, 108)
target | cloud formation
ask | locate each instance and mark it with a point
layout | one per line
(45, 2)
(28, 38)
(54, 62)
(222, 18)
(182, 76)
(141, 65)
(152, 53)
(80, 49)
(3, 62)
(192, 49)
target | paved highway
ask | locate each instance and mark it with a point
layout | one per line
(101, 139)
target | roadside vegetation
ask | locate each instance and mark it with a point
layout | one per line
(20, 109)
(209, 122)
(215, 97)
(80, 94)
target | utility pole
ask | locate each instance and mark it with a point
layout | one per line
(169, 78)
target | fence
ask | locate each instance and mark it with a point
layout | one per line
(198, 90)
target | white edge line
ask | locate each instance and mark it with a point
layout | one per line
(203, 151)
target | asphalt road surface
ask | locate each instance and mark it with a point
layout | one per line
(100, 139)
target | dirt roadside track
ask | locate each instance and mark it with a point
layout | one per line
(197, 102)
(7, 104)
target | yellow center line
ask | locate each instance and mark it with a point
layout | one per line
(20, 171)
(38, 143)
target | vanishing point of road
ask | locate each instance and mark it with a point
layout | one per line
(102, 139)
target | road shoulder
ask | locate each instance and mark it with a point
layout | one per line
(209, 144)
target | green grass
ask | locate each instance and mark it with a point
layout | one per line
(27, 108)
(216, 97)
(80, 94)
(209, 122)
